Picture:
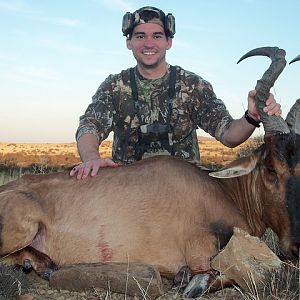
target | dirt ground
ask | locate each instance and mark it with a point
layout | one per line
(39, 289)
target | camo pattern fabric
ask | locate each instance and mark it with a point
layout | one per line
(195, 105)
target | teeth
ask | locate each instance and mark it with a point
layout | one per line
(149, 53)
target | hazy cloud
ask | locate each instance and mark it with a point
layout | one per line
(69, 22)
(26, 73)
(200, 29)
(15, 6)
(120, 5)
(62, 21)
(22, 8)
(181, 44)
(62, 46)
(7, 57)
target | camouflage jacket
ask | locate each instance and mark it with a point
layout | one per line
(195, 105)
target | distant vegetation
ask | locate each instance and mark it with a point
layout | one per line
(44, 157)
(250, 147)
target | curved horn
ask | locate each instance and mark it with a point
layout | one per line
(295, 59)
(272, 124)
(293, 118)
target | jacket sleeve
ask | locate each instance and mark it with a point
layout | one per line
(209, 112)
(99, 117)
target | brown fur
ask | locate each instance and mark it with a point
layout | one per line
(162, 211)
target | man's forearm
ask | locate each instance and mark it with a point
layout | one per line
(238, 132)
(241, 129)
(88, 147)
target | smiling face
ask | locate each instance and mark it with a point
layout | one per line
(149, 44)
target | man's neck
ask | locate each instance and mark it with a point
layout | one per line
(153, 73)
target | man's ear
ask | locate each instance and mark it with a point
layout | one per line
(128, 43)
(169, 41)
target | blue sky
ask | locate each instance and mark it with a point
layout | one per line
(54, 55)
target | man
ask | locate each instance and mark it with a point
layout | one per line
(155, 108)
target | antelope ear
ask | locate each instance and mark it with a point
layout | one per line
(237, 168)
(20, 221)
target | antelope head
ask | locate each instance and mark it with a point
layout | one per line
(274, 168)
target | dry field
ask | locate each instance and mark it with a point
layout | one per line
(282, 286)
(66, 155)
(52, 155)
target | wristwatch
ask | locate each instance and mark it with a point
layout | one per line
(250, 120)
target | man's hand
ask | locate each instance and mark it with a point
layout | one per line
(271, 108)
(92, 167)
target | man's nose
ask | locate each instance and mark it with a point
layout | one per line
(149, 42)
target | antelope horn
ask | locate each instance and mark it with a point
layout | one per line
(272, 124)
(295, 59)
(293, 118)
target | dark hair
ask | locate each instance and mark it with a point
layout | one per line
(148, 15)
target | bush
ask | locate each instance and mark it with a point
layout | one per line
(250, 146)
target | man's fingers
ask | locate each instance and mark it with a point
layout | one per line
(273, 109)
(94, 171)
(73, 171)
(111, 163)
(107, 162)
(92, 167)
(86, 171)
(252, 93)
(80, 173)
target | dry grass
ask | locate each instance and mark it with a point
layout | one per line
(13, 283)
(282, 284)
(51, 155)
(55, 155)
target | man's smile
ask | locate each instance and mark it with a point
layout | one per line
(149, 52)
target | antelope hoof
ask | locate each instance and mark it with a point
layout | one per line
(183, 277)
(197, 286)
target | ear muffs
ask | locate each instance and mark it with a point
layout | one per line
(129, 21)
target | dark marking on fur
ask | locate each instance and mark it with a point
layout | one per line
(285, 148)
(223, 232)
(29, 195)
(293, 206)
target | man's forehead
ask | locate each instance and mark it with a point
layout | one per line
(149, 28)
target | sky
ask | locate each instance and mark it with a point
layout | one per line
(54, 55)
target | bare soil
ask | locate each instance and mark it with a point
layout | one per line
(40, 290)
